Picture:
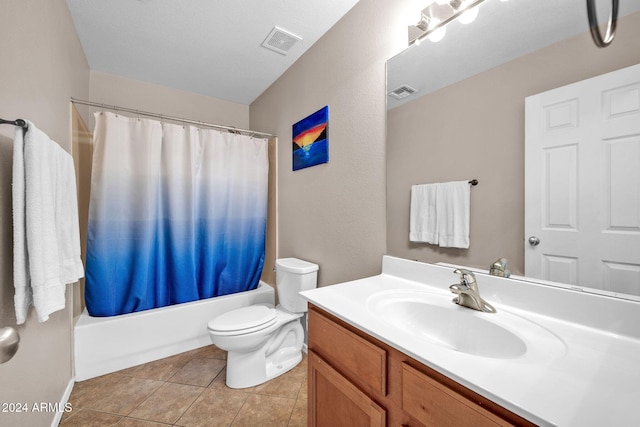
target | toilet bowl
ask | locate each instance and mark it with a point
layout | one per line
(263, 341)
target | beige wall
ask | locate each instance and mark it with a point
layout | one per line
(42, 66)
(138, 95)
(334, 214)
(484, 139)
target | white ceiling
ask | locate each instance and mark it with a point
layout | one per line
(210, 47)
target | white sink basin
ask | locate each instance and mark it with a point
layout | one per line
(434, 317)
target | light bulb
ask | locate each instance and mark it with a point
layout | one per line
(468, 16)
(438, 34)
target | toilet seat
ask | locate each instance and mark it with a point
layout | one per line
(243, 320)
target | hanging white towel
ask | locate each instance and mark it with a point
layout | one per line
(22, 298)
(453, 213)
(51, 227)
(423, 221)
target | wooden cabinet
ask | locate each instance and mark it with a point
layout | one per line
(434, 404)
(349, 353)
(356, 380)
(337, 402)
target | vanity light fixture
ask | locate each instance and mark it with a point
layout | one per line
(431, 25)
(424, 22)
(468, 16)
(435, 17)
(438, 31)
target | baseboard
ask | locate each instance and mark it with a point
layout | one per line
(63, 403)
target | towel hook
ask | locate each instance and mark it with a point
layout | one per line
(611, 25)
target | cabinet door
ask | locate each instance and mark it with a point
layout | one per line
(336, 402)
(434, 404)
(359, 360)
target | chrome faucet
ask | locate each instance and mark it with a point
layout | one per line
(468, 293)
(499, 268)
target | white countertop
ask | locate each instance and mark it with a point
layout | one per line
(593, 381)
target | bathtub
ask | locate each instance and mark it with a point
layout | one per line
(108, 344)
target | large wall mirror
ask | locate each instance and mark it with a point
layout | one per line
(466, 120)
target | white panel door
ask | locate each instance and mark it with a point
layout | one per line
(582, 183)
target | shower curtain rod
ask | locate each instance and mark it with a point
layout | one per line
(175, 119)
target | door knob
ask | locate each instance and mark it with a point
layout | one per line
(534, 241)
(9, 340)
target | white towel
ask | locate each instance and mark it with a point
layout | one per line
(423, 224)
(22, 298)
(51, 223)
(453, 205)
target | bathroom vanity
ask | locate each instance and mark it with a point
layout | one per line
(357, 380)
(394, 350)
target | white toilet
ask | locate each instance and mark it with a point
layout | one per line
(264, 342)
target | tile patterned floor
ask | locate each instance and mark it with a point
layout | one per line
(187, 390)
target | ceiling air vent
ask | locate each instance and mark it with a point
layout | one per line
(280, 40)
(402, 92)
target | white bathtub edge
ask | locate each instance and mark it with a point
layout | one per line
(105, 345)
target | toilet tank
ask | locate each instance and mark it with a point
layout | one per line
(294, 275)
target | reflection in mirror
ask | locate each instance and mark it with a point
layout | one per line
(433, 19)
(466, 118)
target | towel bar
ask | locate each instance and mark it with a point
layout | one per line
(17, 122)
(473, 182)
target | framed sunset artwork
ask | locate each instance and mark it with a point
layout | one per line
(311, 140)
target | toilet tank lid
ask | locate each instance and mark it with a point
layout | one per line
(295, 265)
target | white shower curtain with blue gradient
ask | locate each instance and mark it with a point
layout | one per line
(177, 214)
